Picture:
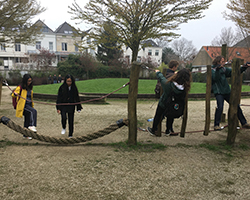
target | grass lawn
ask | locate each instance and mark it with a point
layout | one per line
(107, 85)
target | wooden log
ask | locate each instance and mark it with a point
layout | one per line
(184, 118)
(1, 86)
(132, 103)
(208, 96)
(234, 101)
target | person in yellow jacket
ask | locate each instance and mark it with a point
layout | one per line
(25, 105)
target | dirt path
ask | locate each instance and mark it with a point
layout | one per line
(194, 167)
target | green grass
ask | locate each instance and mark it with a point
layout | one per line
(107, 85)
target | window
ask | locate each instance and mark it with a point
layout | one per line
(38, 45)
(138, 58)
(150, 52)
(76, 47)
(17, 47)
(156, 52)
(66, 32)
(2, 47)
(51, 46)
(45, 29)
(18, 60)
(64, 46)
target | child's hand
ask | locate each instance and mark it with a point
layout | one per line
(79, 111)
(157, 70)
(58, 111)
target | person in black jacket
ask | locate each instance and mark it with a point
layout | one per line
(68, 93)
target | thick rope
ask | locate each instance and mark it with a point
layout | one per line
(34, 135)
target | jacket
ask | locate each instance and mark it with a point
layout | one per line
(167, 87)
(169, 73)
(219, 79)
(68, 96)
(21, 102)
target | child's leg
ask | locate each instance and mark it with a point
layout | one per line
(33, 115)
(71, 124)
(26, 118)
(63, 119)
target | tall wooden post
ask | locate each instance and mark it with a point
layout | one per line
(208, 96)
(132, 103)
(1, 85)
(159, 127)
(224, 51)
(184, 118)
(234, 101)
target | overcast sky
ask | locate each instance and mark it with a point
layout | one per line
(201, 32)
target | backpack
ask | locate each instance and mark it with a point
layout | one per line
(15, 100)
(158, 90)
(175, 105)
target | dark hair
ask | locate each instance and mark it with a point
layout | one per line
(24, 83)
(182, 77)
(173, 63)
(217, 60)
(72, 79)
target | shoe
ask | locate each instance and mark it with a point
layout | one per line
(217, 128)
(150, 130)
(70, 136)
(32, 128)
(29, 138)
(167, 133)
(172, 133)
(247, 126)
(63, 131)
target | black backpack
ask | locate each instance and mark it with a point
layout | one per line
(158, 90)
(175, 105)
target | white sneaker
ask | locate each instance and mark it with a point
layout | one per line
(29, 138)
(63, 131)
(32, 128)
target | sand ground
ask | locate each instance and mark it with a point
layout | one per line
(193, 167)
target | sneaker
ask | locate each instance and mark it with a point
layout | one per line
(25, 137)
(217, 128)
(167, 133)
(70, 136)
(32, 128)
(63, 131)
(150, 130)
(247, 126)
(172, 133)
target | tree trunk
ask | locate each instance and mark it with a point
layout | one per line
(132, 102)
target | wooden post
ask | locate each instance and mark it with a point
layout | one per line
(159, 127)
(132, 103)
(234, 101)
(184, 118)
(1, 86)
(224, 51)
(208, 96)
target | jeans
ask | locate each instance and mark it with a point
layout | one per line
(158, 118)
(30, 116)
(220, 103)
(70, 120)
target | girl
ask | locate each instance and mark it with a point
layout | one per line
(25, 105)
(179, 83)
(68, 93)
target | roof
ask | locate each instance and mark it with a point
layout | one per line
(243, 43)
(45, 28)
(65, 28)
(233, 52)
(149, 43)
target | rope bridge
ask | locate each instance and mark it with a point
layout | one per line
(24, 131)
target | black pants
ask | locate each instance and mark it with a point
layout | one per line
(70, 121)
(158, 117)
(30, 116)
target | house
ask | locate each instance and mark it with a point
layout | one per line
(66, 41)
(148, 48)
(207, 54)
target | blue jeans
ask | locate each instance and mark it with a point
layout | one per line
(220, 103)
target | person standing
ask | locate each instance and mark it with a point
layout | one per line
(25, 105)
(54, 79)
(59, 78)
(68, 93)
(222, 91)
(179, 83)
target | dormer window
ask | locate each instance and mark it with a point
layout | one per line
(238, 53)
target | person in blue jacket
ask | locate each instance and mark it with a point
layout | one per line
(222, 90)
(180, 84)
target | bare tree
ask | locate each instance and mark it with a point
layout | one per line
(184, 49)
(15, 21)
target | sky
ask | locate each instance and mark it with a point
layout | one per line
(201, 32)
